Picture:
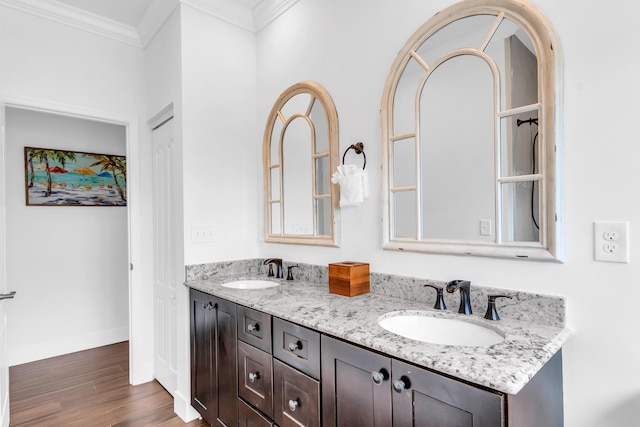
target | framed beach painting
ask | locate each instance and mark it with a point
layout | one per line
(72, 178)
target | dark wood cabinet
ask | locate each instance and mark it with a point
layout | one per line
(254, 327)
(424, 398)
(243, 376)
(297, 346)
(363, 388)
(255, 377)
(356, 386)
(296, 397)
(250, 417)
(214, 386)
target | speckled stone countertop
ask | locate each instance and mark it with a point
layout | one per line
(506, 366)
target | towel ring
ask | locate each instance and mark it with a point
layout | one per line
(358, 147)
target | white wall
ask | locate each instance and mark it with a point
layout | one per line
(349, 47)
(206, 69)
(62, 68)
(66, 263)
(164, 90)
(219, 128)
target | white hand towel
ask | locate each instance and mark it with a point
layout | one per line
(354, 186)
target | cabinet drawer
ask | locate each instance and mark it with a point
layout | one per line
(254, 327)
(249, 417)
(297, 346)
(296, 397)
(255, 377)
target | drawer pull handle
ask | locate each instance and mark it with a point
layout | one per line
(254, 376)
(379, 376)
(251, 328)
(293, 404)
(402, 384)
(295, 346)
(209, 306)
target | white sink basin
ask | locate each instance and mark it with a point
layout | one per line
(437, 330)
(250, 284)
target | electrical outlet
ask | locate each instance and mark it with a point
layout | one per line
(611, 241)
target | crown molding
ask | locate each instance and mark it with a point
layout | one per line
(154, 18)
(225, 10)
(229, 11)
(268, 11)
(73, 17)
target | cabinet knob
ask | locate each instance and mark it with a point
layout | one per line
(379, 376)
(254, 376)
(293, 404)
(251, 327)
(402, 384)
(294, 346)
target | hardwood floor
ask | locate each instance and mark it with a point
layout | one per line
(88, 389)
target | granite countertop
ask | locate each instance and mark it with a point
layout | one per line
(506, 366)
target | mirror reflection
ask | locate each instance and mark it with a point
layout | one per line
(299, 152)
(468, 170)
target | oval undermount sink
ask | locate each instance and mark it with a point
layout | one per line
(250, 284)
(438, 330)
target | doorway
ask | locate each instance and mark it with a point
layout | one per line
(69, 261)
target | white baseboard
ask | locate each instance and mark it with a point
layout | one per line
(44, 349)
(183, 408)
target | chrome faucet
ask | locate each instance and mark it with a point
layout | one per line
(278, 263)
(465, 294)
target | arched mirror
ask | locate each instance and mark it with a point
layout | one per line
(469, 127)
(300, 150)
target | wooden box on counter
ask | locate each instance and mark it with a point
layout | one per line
(349, 278)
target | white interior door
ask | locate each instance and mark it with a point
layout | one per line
(166, 278)
(4, 367)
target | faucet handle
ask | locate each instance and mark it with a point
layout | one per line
(289, 272)
(492, 313)
(439, 305)
(278, 263)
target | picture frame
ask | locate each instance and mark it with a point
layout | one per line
(56, 177)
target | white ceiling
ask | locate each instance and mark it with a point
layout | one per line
(129, 12)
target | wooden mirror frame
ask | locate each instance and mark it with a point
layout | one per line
(550, 247)
(318, 94)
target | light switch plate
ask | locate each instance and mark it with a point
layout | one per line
(202, 233)
(611, 241)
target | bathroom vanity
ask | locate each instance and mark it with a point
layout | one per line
(301, 356)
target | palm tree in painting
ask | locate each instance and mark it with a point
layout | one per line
(30, 163)
(43, 156)
(114, 164)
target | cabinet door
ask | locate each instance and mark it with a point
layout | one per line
(255, 377)
(296, 397)
(202, 317)
(214, 386)
(426, 399)
(355, 386)
(225, 373)
(249, 417)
